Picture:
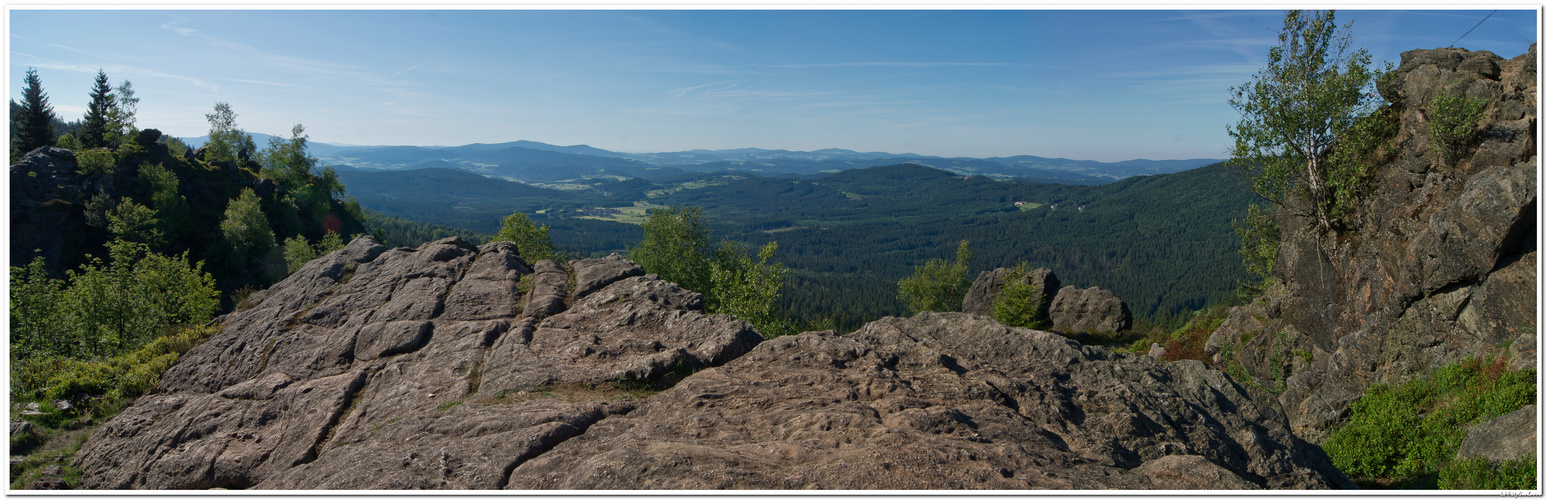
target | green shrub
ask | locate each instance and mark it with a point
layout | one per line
(532, 241)
(1453, 123)
(95, 161)
(1259, 245)
(1014, 305)
(118, 378)
(749, 290)
(1481, 474)
(938, 285)
(1410, 432)
(103, 310)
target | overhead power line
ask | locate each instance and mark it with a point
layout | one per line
(1468, 32)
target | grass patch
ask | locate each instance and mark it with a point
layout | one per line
(635, 215)
(1186, 342)
(96, 390)
(1406, 435)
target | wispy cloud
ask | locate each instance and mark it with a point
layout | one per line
(679, 92)
(125, 72)
(272, 63)
(411, 68)
(69, 48)
(169, 25)
(271, 84)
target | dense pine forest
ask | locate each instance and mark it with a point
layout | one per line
(1163, 243)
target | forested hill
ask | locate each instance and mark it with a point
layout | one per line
(1163, 243)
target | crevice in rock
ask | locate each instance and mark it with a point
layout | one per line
(326, 434)
(475, 376)
(1520, 240)
(558, 436)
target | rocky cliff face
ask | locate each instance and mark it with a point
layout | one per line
(1440, 263)
(453, 366)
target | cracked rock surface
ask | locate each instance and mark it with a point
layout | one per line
(406, 368)
(451, 366)
(940, 401)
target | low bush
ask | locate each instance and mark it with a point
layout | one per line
(1406, 435)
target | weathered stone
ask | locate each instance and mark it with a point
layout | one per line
(404, 368)
(985, 290)
(1511, 436)
(1088, 310)
(550, 290)
(939, 401)
(594, 274)
(1437, 263)
(489, 289)
(20, 427)
(1191, 472)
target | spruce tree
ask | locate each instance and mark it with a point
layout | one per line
(32, 121)
(94, 132)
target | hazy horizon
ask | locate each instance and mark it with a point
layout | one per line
(1103, 85)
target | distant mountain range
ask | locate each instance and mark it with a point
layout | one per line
(540, 163)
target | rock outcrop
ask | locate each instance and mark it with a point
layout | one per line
(1511, 436)
(985, 290)
(405, 368)
(939, 401)
(45, 194)
(1438, 263)
(1067, 310)
(451, 366)
(1088, 310)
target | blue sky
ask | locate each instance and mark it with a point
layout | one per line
(1098, 84)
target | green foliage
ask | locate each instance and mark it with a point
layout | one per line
(938, 285)
(94, 132)
(170, 205)
(175, 146)
(676, 247)
(1014, 305)
(245, 227)
(120, 114)
(1259, 244)
(1410, 432)
(105, 309)
(69, 142)
(95, 161)
(748, 290)
(100, 388)
(1363, 145)
(1294, 111)
(134, 222)
(298, 252)
(31, 123)
(396, 232)
(1483, 474)
(1453, 122)
(531, 240)
(287, 162)
(226, 141)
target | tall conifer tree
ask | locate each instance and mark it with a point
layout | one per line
(94, 131)
(33, 120)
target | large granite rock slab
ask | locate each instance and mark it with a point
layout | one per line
(405, 368)
(940, 401)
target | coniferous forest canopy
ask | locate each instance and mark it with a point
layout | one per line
(1162, 243)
